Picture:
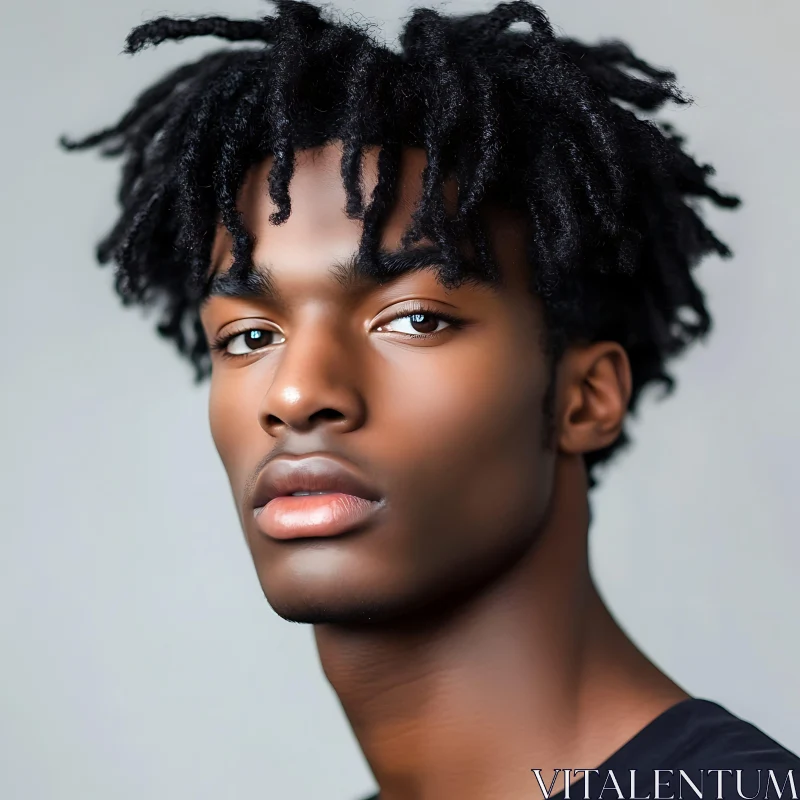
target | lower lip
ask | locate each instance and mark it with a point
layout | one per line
(313, 515)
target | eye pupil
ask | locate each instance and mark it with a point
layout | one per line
(254, 337)
(426, 321)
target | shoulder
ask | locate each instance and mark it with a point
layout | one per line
(726, 756)
(699, 748)
(717, 735)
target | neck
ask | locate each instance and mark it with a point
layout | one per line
(533, 673)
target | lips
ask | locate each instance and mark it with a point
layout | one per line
(313, 497)
(285, 475)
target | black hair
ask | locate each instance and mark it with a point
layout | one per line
(539, 124)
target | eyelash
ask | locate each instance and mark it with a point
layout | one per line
(220, 344)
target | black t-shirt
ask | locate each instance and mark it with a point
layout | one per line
(692, 750)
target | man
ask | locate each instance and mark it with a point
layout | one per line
(428, 284)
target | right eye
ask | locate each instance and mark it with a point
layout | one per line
(242, 343)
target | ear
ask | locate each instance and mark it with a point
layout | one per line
(594, 389)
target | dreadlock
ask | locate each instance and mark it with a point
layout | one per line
(541, 125)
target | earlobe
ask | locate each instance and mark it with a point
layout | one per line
(595, 389)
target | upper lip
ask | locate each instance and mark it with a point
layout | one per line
(285, 475)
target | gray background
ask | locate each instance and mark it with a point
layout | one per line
(138, 658)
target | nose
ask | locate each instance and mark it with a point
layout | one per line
(315, 385)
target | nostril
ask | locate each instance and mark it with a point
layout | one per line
(326, 414)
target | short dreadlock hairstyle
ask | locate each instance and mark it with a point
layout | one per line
(522, 119)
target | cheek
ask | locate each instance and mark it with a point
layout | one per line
(466, 431)
(471, 475)
(233, 422)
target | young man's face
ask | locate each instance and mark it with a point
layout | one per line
(446, 428)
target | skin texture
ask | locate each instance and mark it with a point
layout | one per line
(462, 631)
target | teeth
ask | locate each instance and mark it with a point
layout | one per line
(305, 494)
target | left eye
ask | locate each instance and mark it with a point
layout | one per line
(421, 322)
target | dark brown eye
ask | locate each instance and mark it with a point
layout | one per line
(424, 323)
(251, 340)
(255, 339)
(417, 322)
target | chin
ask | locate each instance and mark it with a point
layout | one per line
(355, 581)
(338, 596)
(321, 585)
(342, 612)
(383, 600)
(310, 603)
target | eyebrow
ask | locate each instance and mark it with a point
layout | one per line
(258, 282)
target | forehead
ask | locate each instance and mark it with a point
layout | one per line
(318, 225)
(318, 233)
